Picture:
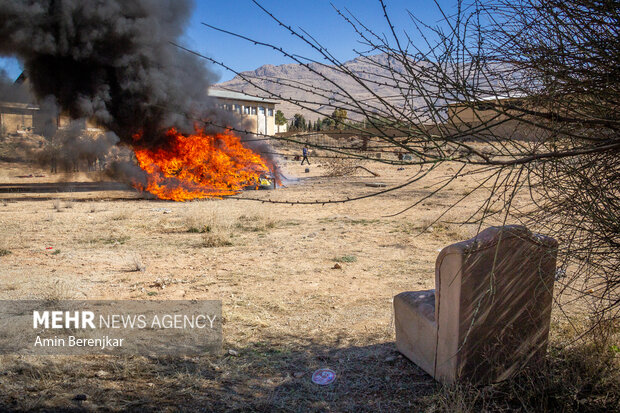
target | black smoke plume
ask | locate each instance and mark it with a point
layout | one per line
(110, 61)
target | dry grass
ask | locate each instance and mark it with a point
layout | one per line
(215, 239)
(580, 377)
(286, 311)
(200, 221)
(120, 215)
(215, 227)
(256, 222)
(346, 258)
(437, 229)
(273, 375)
(113, 239)
(136, 264)
(57, 290)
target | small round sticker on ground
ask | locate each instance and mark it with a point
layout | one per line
(323, 377)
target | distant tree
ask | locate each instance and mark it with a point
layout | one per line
(317, 124)
(340, 116)
(299, 122)
(327, 123)
(280, 119)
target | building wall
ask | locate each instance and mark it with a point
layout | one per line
(251, 111)
(480, 112)
(498, 125)
(13, 122)
(14, 119)
(468, 114)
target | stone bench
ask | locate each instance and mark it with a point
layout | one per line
(490, 312)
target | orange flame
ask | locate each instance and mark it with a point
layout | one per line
(198, 166)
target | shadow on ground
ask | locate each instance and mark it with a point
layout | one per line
(260, 377)
(77, 191)
(59, 187)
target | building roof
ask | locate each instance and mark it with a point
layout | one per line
(16, 105)
(497, 98)
(229, 94)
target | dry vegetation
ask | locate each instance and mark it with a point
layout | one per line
(287, 310)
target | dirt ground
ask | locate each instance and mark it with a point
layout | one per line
(287, 310)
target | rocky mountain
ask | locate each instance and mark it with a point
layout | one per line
(317, 90)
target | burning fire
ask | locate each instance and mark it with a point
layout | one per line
(198, 166)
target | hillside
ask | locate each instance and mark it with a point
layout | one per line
(311, 88)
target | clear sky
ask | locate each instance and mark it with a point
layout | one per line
(317, 17)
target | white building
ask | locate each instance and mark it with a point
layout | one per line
(259, 110)
(17, 117)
